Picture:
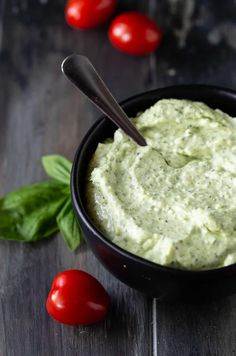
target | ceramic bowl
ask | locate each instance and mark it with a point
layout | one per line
(164, 283)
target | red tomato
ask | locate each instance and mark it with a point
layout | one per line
(85, 14)
(77, 298)
(134, 33)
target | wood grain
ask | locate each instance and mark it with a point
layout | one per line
(204, 329)
(40, 113)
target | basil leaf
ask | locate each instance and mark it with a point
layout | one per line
(57, 167)
(8, 227)
(68, 226)
(29, 213)
(23, 200)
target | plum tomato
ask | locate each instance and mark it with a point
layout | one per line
(134, 33)
(77, 298)
(85, 14)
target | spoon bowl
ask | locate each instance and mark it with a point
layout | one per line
(80, 71)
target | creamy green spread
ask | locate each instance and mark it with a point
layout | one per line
(174, 201)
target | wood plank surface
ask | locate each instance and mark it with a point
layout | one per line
(200, 47)
(40, 113)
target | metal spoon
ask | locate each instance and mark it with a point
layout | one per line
(80, 71)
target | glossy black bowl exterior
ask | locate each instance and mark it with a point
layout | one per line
(162, 282)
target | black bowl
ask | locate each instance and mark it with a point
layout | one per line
(148, 277)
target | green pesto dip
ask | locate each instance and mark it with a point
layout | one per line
(172, 202)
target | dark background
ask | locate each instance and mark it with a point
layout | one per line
(41, 113)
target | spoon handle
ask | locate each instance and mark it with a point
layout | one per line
(80, 71)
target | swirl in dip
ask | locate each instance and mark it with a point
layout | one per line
(174, 201)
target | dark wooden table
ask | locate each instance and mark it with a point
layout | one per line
(40, 113)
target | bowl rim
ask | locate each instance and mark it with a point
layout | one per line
(81, 211)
